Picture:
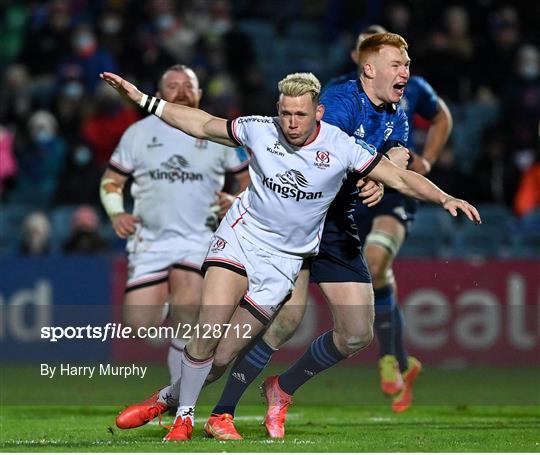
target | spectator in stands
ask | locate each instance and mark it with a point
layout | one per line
(44, 45)
(8, 164)
(36, 230)
(103, 129)
(78, 183)
(87, 57)
(85, 237)
(41, 160)
(15, 98)
(71, 105)
(523, 97)
(495, 176)
(527, 197)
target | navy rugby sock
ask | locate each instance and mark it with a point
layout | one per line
(244, 371)
(399, 344)
(384, 319)
(321, 355)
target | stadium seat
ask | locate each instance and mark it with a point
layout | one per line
(430, 234)
(526, 245)
(11, 218)
(60, 225)
(530, 222)
(304, 31)
(482, 241)
(434, 219)
(421, 244)
(495, 215)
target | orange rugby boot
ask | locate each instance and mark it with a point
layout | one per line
(278, 403)
(221, 427)
(141, 413)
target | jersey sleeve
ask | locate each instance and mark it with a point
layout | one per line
(400, 133)
(236, 159)
(341, 108)
(428, 100)
(122, 160)
(364, 157)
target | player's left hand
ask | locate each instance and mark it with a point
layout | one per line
(371, 192)
(419, 164)
(453, 204)
(222, 203)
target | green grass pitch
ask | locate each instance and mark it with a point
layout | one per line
(342, 410)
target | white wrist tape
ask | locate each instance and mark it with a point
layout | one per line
(152, 105)
(113, 202)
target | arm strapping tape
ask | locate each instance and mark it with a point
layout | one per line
(113, 201)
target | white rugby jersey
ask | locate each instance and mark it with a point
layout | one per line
(176, 177)
(291, 188)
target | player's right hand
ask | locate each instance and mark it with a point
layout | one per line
(452, 205)
(125, 88)
(399, 156)
(124, 224)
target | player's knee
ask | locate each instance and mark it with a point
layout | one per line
(185, 314)
(354, 341)
(377, 269)
(140, 321)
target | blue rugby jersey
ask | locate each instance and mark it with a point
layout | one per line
(419, 98)
(348, 107)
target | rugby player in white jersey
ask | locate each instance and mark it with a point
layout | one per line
(176, 180)
(257, 252)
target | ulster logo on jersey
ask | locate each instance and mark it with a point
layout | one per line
(173, 170)
(218, 245)
(322, 159)
(291, 185)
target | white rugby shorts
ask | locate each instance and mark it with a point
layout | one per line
(270, 277)
(148, 268)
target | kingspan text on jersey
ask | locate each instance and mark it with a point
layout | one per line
(288, 192)
(174, 176)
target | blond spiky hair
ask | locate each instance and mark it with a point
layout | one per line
(298, 84)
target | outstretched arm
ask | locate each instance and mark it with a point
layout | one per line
(194, 122)
(415, 185)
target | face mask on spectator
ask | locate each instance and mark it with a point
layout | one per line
(528, 63)
(73, 90)
(84, 43)
(111, 25)
(529, 71)
(82, 156)
(165, 21)
(42, 137)
(42, 127)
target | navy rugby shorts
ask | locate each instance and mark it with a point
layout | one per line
(393, 204)
(340, 259)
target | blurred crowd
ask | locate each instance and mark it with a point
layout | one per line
(59, 123)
